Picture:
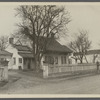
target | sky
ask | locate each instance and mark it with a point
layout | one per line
(8, 19)
(85, 17)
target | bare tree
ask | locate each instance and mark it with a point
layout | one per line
(94, 57)
(3, 42)
(40, 22)
(81, 45)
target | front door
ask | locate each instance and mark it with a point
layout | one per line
(29, 62)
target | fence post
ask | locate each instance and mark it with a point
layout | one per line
(59, 69)
(6, 73)
(72, 69)
(45, 71)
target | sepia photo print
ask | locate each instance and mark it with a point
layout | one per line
(50, 49)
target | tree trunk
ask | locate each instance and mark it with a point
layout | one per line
(37, 64)
(86, 59)
(81, 61)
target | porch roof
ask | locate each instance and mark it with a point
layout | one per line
(5, 53)
(26, 55)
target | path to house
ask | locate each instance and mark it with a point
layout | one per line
(28, 84)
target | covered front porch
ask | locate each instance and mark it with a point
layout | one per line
(28, 63)
(27, 60)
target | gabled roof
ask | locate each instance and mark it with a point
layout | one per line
(54, 45)
(93, 52)
(89, 52)
(5, 53)
(21, 47)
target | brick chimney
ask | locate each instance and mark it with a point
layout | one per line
(11, 40)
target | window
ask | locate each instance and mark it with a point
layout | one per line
(56, 60)
(69, 61)
(49, 59)
(20, 60)
(63, 59)
(14, 60)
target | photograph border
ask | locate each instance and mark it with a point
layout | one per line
(69, 96)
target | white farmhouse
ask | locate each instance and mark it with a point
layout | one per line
(22, 57)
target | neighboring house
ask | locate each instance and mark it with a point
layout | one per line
(22, 57)
(91, 56)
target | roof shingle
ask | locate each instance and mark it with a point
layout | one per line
(89, 52)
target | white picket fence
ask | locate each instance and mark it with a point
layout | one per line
(52, 69)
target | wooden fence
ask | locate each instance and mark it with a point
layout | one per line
(53, 69)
